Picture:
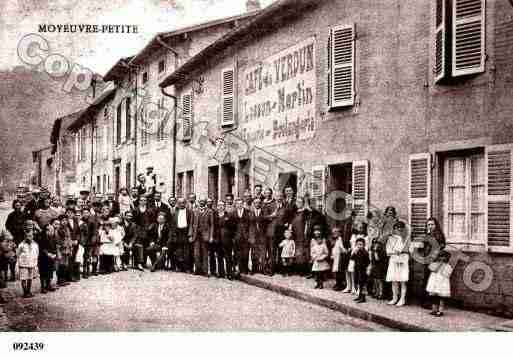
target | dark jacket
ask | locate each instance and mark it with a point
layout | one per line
(224, 228)
(203, 225)
(242, 227)
(258, 227)
(154, 237)
(14, 224)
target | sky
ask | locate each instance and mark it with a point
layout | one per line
(99, 52)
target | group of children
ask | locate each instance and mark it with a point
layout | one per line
(368, 260)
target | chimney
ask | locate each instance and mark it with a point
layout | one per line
(252, 5)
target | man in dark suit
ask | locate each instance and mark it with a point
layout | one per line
(182, 235)
(113, 205)
(144, 217)
(202, 236)
(241, 237)
(281, 216)
(258, 237)
(158, 238)
(224, 227)
(74, 231)
(160, 206)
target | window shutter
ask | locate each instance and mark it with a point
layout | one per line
(360, 188)
(187, 117)
(128, 119)
(342, 41)
(228, 97)
(499, 188)
(468, 37)
(419, 194)
(440, 41)
(318, 187)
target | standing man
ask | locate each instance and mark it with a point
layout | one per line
(279, 218)
(83, 198)
(224, 231)
(134, 198)
(258, 192)
(160, 206)
(192, 202)
(34, 204)
(228, 202)
(182, 235)
(258, 237)
(144, 217)
(241, 237)
(203, 238)
(248, 200)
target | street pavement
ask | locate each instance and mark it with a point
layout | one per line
(167, 301)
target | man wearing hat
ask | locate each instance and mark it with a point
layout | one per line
(34, 204)
(83, 197)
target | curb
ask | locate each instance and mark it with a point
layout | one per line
(330, 304)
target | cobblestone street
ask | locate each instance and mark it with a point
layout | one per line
(135, 301)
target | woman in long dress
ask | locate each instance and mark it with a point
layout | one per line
(398, 272)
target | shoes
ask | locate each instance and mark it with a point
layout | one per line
(392, 302)
(401, 303)
(347, 290)
(360, 299)
(439, 314)
(317, 286)
(44, 291)
(337, 289)
(51, 289)
(140, 267)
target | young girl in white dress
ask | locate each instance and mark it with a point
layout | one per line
(398, 272)
(288, 251)
(439, 284)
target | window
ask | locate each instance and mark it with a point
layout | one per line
(464, 199)
(162, 125)
(187, 117)
(145, 77)
(83, 143)
(341, 66)
(106, 134)
(180, 184)
(98, 184)
(190, 182)
(128, 174)
(128, 119)
(462, 50)
(228, 97)
(145, 137)
(162, 66)
(104, 183)
(118, 124)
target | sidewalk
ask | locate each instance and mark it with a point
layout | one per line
(407, 318)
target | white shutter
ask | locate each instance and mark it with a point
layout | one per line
(419, 194)
(318, 187)
(440, 41)
(468, 37)
(342, 41)
(228, 97)
(187, 117)
(499, 191)
(360, 190)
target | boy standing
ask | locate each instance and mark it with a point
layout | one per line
(361, 264)
(28, 254)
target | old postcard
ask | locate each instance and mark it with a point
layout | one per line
(260, 165)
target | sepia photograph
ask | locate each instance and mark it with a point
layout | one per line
(268, 166)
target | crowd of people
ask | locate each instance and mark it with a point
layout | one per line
(262, 232)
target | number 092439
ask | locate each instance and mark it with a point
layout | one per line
(28, 346)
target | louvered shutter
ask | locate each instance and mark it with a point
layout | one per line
(318, 187)
(468, 37)
(499, 188)
(228, 97)
(342, 39)
(419, 194)
(187, 117)
(440, 41)
(360, 188)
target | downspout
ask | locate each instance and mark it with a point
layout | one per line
(175, 108)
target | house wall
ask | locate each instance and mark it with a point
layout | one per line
(399, 109)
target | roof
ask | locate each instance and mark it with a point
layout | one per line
(272, 17)
(62, 124)
(119, 69)
(85, 115)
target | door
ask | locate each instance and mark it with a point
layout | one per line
(117, 178)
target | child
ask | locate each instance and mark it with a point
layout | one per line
(359, 231)
(319, 255)
(28, 254)
(8, 256)
(439, 286)
(47, 258)
(340, 254)
(288, 251)
(378, 267)
(361, 260)
(398, 271)
(64, 248)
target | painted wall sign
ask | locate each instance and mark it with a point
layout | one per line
(278, 103)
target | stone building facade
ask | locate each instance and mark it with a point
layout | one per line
(375, 103)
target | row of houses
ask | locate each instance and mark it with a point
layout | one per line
(376, 102)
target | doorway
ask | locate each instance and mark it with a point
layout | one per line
(213, 183)
(287, 179)
(228, 179)
(244, 179)
(340, 178)
(117, 178)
